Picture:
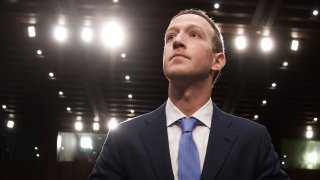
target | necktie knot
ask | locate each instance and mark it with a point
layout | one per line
(187, 124)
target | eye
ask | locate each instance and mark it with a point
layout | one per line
(194, 34)
(170, 37)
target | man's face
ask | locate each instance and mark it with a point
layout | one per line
(188, 48)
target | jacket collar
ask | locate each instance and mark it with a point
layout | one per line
(220, 142)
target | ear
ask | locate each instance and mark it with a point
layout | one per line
(218, 62)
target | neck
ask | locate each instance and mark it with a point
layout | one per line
(188, 98)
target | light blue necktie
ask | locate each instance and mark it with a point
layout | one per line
(188, 158)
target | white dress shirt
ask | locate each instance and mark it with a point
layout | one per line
(200, 133)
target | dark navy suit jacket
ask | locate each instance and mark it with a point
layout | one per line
(237, 149)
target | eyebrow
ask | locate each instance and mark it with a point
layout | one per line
(190, 26)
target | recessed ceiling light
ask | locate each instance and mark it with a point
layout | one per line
(266, 44)
(112, 123)
(4, 107)
(68, 109)
(255, 116)
(51, 74)
(273, 85)
(31, 31)
(241, 42)
(60, 33)
(36, 148)
(264, 101)
(216, 5)
(315, 12)
(96, 126)
(78, 125)
(123, 55)
(39, 52)
(10, 124)
(38, 155)
(60, 93)
(127, 77)
(113, 34)
(130, 96)
(294, 45)
(309, 134)
(285, 64)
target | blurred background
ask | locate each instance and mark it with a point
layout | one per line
(70, 70)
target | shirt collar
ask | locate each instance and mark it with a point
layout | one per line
(204, 114)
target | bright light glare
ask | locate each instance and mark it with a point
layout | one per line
(51, 74)
(39, 52)
(113, 34)
(315, 12)
(311, 157)
(31, 31)
(130, 96)
(10, 124)
(127, 77)
(309, 134)
(60, 33)
(115, 1)
(216, 5)
(294, 45)
(285, 64)
(123, 55)
(60, 93)
(309, 128)
(86, 142)
(315, 119)
(241, 42)
(95, 126)
(112, 123)
(78, 126)
(87, 34)
(4, 107)
(273, 84)
(132, 111)
(68, 109)
(59, 141)
(38, 155)
(266, 44)
(264, 102)
(256, 116)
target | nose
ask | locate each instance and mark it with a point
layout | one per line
(178, 43)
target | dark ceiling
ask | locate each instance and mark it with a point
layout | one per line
(92, 76)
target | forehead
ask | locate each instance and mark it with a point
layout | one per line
(186, 20)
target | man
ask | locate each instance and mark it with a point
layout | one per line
(217, 145)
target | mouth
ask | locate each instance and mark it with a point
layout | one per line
(179, 55)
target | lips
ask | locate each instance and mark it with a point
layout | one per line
(178, 55)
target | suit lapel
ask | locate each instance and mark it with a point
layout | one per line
(220, 141)
(155, 140)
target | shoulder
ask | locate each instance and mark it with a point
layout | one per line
(135, 124)
(240, 126)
